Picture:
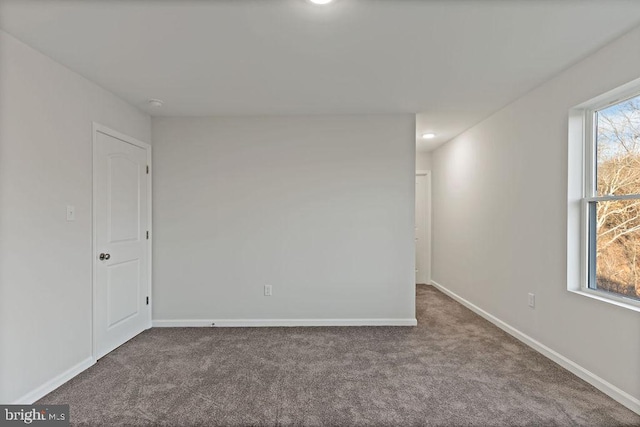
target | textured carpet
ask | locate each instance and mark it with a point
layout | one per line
(453, 369)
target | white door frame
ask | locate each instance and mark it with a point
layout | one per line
(427, 173)
(98, 128)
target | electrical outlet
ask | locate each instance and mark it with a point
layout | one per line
(532, 300)
(267, 290)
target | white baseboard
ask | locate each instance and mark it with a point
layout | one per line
(54, 383)
(253, 323)
(604, 386)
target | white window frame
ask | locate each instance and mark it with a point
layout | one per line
(581, 190)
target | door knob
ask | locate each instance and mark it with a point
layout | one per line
(104, 257)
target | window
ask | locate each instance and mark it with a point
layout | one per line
(613, 200)
(609, 202)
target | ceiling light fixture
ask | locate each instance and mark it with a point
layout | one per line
(320, 1)
(429, 135)
(155, 103)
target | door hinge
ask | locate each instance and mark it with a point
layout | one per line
(147, 300)
(147, 234)
(147, 169)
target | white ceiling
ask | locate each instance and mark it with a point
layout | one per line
(453, 62)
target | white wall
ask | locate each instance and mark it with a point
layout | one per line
(46, 114)
(423, 161)
(499, 221)
(321, 208)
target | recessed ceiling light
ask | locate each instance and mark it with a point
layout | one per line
(428, 135)
(155, 103)
(320, 1)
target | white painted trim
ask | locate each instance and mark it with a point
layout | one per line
(54, 383)
(97, 127)
(581, 189)
(429, 226)
(150, 239)
(427, 174)
(601, 384)
(609, 299)
(255, 323)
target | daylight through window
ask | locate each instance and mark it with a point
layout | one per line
(613, 200)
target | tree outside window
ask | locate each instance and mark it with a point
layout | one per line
(614, 209)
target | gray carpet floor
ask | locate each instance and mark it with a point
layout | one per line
(455, 368)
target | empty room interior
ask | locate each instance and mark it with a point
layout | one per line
(320, 212)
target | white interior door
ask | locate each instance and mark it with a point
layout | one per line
(423, 227)
(121, 245)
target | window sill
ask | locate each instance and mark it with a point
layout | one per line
(597, 296)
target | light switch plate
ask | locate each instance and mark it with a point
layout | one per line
(71, 213)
